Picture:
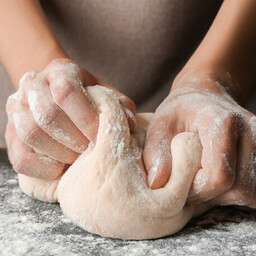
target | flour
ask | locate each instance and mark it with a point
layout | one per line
(66, 77)
(12, 182)
(21, 245)
(62, 135)
(20, 120)
(200, 181)
(117, 131)
(17, 121)
(47, 160)
(227, 163)
(222, 231)
(33, 98)
(129, 113)
(44, 113)
(252, 126)
(66, 72)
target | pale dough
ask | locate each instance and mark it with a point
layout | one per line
(105, 191)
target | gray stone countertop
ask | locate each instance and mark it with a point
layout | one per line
(30, 227)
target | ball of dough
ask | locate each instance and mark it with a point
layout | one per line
(105, 191)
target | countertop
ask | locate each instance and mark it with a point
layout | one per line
(30, 227)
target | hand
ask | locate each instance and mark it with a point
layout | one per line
(51, 119)
(199, 103)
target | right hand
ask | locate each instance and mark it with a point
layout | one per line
(51, 119)
(201, 102)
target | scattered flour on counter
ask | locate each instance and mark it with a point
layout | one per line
(12, 182)
(252, 248)
(19, 245)
(31, 241)
(193, 248)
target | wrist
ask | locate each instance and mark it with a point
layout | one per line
(208, 79)
(27, 40)
(43, 57)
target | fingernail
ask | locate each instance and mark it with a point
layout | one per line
(151, 176)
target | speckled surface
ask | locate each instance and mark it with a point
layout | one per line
(29, 227)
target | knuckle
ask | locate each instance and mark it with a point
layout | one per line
(158, 125)
(32, 135)
(64, 69)
(47, 118)
(27, 78)
(59, 61)
(9, 106)
(28, 133)
(13, 100)
(8, 135)
(127, 102)
(61, 91)
(44, 111)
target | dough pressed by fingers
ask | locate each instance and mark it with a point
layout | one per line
(105, 191)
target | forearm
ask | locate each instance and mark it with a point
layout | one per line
(229, 47)
(26, 39)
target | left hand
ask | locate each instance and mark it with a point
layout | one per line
(51, 118)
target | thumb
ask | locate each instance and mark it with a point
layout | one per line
(157, 152)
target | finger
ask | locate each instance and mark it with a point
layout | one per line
(127, 104)
(243, 189)
(11, 103)
(31, 134)
(51, 118)
(129, 110)
(67, 88)
(27, 162)
(157, 152)
(218, 160)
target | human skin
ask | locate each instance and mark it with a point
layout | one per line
(50, 121)
(205, 98)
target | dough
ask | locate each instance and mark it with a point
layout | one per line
(105, 191)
